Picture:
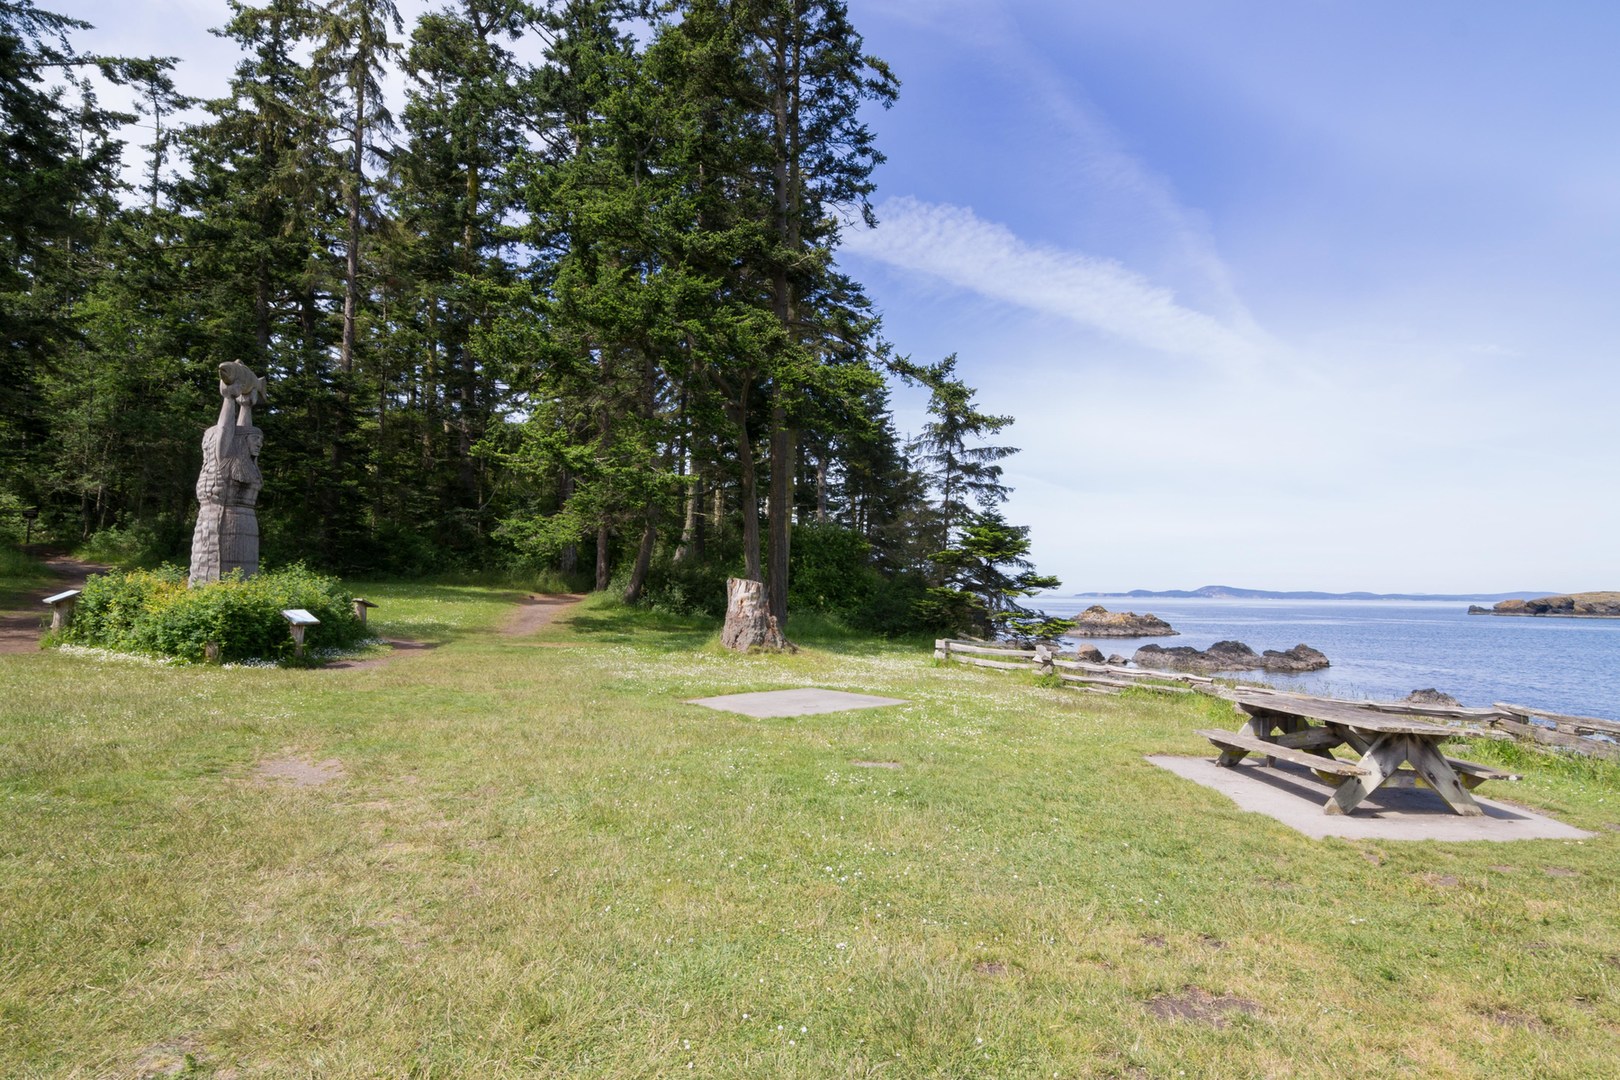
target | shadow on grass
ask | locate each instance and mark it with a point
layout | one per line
(617, 624)
(609, 621)
(827, 633)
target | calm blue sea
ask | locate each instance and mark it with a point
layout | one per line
(1385, 649)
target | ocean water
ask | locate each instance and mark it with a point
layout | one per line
(1385, 649)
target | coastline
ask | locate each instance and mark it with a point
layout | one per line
(1541, 614)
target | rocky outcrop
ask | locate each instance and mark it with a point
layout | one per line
(1431, 696)
(1229, 656)
(1587, 605)
(1098, 621)
(1089, 654)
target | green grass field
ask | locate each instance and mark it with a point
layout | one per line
(531, 859)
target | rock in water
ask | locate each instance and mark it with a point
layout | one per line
(1431, 696)
(749, 622)
(1098, 621)
(1229, 656)
(1089, 654)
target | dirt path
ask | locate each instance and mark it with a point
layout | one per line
(533, 612)
(20, 631)
(536, 610)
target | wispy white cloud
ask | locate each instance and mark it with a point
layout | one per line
(953, 244)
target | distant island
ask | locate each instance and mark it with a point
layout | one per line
(1229, 592)
(1585, 605)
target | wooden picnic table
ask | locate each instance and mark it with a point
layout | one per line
(1306, 731)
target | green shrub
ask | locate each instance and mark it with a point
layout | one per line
(830, 569)
(686, 588)
(892, 609)
(138, 545)
(152, 611)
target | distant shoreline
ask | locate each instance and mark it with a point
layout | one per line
(1541, 615)
(1587, 605)
(1228, 592)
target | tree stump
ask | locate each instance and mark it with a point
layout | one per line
(749, 622)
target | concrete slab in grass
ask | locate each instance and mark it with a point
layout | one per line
(803, 702)
(1294, 797)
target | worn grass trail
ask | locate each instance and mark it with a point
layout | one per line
(511, 860)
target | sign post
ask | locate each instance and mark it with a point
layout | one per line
(299, 620)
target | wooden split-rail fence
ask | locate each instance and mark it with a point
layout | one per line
(1584, 734)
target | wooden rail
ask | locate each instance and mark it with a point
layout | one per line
(1076, 674)
(1585, 734)
(1556, 729)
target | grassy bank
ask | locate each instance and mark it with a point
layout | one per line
(527, 857)
(20, 577)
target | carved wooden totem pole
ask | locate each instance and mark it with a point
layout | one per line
(227, 533)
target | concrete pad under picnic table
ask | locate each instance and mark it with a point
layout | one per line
(1292, 795)
(806, 701)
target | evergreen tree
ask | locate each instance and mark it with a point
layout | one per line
(447, 273)
(984, 575)
(349, 61)
(59, 181)
(964, 474)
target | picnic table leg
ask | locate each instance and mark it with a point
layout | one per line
(1381, 760)
(1431, 764)
(1252, 725)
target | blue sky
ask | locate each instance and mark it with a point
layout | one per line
(1295, 294)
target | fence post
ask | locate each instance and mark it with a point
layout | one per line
(1043, 660)
(942, 649)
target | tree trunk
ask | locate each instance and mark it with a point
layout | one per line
(602, 544)
(351, 267)
(749, 624)
(568, 561)
(644, 554)
(748, 496)
(694, 495)
(821, 488)
(781, 513)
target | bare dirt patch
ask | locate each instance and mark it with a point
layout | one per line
(299, 772)
(396, 650)
(1441, 881)
(992, 968)
(167, 1059)
(1560, 871)
(537, 610)
(1154, 941)
(876, 764)
(1509, 1018)
(1200, 1006)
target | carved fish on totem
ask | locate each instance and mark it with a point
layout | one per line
(236, 380)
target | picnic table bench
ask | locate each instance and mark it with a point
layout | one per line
(1306, 731)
